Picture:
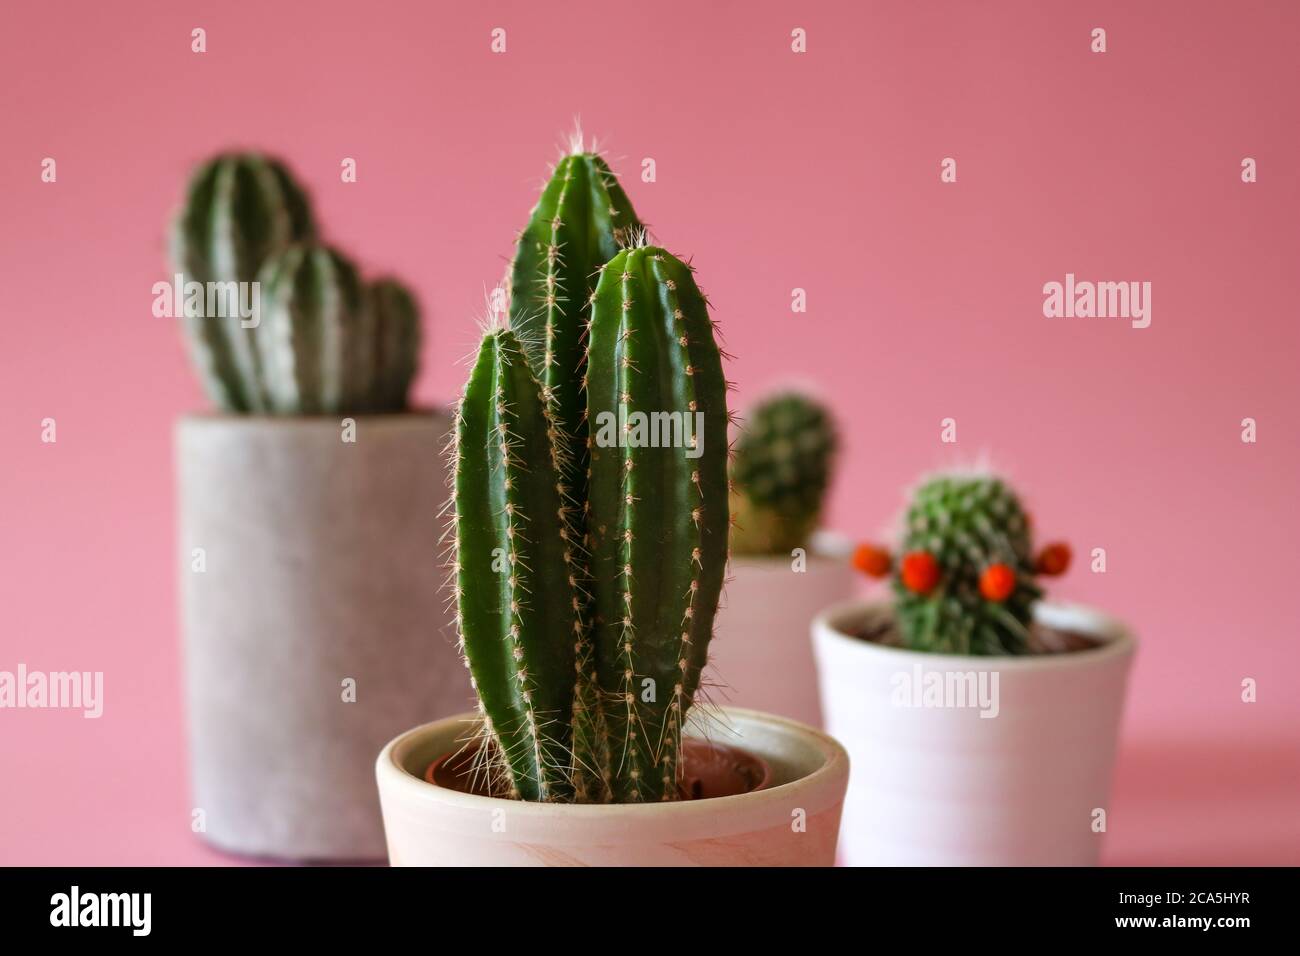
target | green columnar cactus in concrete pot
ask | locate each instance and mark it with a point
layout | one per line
(989, 685)
(307, 511)
(784, 568)
(586, 581)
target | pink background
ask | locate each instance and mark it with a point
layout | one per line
(775, 171)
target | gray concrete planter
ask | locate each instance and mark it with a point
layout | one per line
(318, 571)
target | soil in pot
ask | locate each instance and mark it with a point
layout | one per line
(712, 770)
(1042, 639)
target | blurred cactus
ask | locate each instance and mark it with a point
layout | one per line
(240, 209)
(396, 350)
(784, 460)
(965, 578)
(320, 342)
(315, 334)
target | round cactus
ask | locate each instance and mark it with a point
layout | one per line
(316, 333)
(782, 469)
(240, 210)
(965, 583)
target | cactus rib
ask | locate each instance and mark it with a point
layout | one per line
(313, 329)
(577, 226)
(658, 516)
(396, 348)
(517, 619)
(240, 210)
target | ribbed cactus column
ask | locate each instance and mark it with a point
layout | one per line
(240, 209)
(516, 603)
(315, 334)
(658, 515)
(577, 226)
(396, 319)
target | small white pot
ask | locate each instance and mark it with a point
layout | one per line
(793, 822)
(307, 562)
(759, 654)
(945, 786)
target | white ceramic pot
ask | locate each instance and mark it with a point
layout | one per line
(759, 655)
(793, 822)
(310, 574)
(946, 785)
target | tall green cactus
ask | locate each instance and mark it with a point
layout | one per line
(965, 582)
(240, 210)
(781, 472)
(609, 727)
(578, 224)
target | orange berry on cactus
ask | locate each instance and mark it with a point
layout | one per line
(873, 561)
(1053, 559)
(998, 582)
(920, 572)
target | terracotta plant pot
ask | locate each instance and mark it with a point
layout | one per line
(793, 821)
(943, 785)
(310, 574)
(760, 653)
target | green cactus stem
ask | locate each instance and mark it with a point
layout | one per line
(240, 209)
(517, 606)
(396, 348)
(315, 334)
(658, 519)
(579, 223)
(966, 580)
(780, 474)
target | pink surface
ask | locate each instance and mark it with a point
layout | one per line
(775, 171)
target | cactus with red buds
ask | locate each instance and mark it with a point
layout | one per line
(978, 593)
(966, 581)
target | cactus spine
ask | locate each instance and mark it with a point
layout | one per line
(782, 469)
(598, 711)
(240, 209)
(965, 583)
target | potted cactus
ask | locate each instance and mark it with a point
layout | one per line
(981, 720)
(587, 567)
(783, 569)
(308, 524)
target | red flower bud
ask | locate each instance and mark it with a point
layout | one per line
(920, 572)
(997, 583)
(1053, 559)
(873, 561)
